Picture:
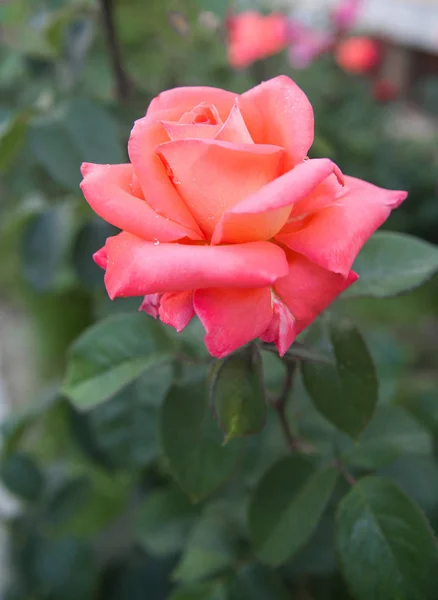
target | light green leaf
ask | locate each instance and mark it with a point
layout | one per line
(287, 506)
(192, 442)
(237, 393)
(111, 354)
(392, 263)
(12, 137)
(386, 547)
(345, 392)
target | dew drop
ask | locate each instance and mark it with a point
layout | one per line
(156, 242)
(210, 217)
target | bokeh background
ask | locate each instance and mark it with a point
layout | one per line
(74, 75)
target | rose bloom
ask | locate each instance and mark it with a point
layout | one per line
(223, 216)
(358, 55)
(252, 36)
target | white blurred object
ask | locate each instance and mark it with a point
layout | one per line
(406, 22)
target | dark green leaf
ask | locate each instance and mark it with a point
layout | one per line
(211, 590)
(44, 246)
(209, 550)
(191, 442)
(237, 393)
(80, 132)
(345, 392)
(392, 263)
(385, 544)
(93, 131)
(54, 150)
(256, 582)
(164, 521)
(124, 430)
(112, 354)
(22, 476)
(287, 506)
(66, 568)
(391, 432)
(90, 238)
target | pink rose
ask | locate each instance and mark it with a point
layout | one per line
(252, 36)
(358, 55)
(223, 216)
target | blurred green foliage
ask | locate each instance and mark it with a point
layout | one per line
(100, 474)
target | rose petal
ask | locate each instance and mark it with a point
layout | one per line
(107, 189)
(261, 215)
(212, 176)
(181, 131)
(234, 129)
(282, 328)
(308, 289)
(176, 309)
(278, 112)
(146, 135)
(232, 317)
(184, 99)
(138, 268)
(333, 236)
(151, 305)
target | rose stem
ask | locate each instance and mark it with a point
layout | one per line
(122, 82)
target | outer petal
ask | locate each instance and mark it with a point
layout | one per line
(282, 329)
(212, 176)
(139, 268)
(261, 215)
(333, 236)
(232, 317)
(278, 112)
(146, 135)
(183, 99)
(308, 289)
(176, 309)
(108, 190)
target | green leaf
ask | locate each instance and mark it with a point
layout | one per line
(44, 246)
(112, 354)
(191, 442)
(164, 521)
(287, 506)
(22, 476)
(54, 150)
(257, 583)
(210, 549)
(90, 238)
(391, 432)
(345, 392)
(392, 263)
(93, 131)
(66, 567)
(237, 393)
(385, 544)
(209, 590)
(81, 131)
(12, 137)
(124, 430)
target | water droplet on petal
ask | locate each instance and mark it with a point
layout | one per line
(156, 242)
(210, 217)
